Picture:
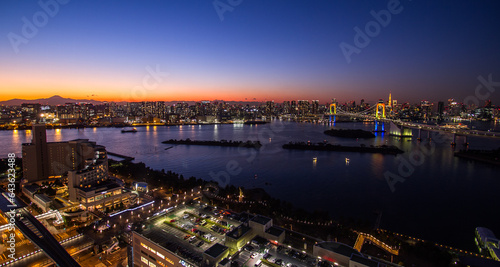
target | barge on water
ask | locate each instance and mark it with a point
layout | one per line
(133, 130)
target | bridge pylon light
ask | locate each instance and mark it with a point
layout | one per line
(380, 113)
(334, 105)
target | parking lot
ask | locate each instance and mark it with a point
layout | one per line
(198, 227)
(195, 225)
(252, 255)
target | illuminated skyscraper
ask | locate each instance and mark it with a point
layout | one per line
(389, 104)
(35, 160)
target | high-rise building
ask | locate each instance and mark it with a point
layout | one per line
(315, 107)
(31, 110)
(270, 107)
(440, 109)
(286, 107)
(42, 160)
(35, 155)
(85, 163)
(293, 107)
(303, 107)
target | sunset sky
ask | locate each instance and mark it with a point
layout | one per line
(262, 49)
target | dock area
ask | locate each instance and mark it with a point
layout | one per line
(125, 158)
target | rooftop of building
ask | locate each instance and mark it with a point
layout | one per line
(238, 232)
(224, 261)
(338, 248)
(216, 250)
(261, 219)
(32, 188)
(102, 186)
(275, 231)
(365, 261)
(6, 201)
(245, 216)
(81, 140)
(260, 240)
(172, 244)
(44, 198)
(141, 184)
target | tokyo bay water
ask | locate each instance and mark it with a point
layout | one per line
(443, 199)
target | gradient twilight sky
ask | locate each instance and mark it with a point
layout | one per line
(262, 49)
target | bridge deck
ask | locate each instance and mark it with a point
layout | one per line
(426, 127)
(362, 237)
(38, 234)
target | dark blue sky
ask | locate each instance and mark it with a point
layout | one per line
(267, 50)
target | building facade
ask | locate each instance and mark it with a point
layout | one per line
(42, 160)
(147, 253)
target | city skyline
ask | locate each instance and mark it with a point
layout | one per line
(250, 51)
(60, 100)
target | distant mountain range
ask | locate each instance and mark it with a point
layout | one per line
(58, 100)
(53, 100)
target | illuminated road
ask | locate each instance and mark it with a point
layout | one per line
(38, 234)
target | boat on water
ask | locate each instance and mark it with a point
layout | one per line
(134, 130)
(315, 159)
(167, 148)
(346, 161)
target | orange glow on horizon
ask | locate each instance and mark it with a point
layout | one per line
(110, 98)
(92, 83)
(140, 94)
